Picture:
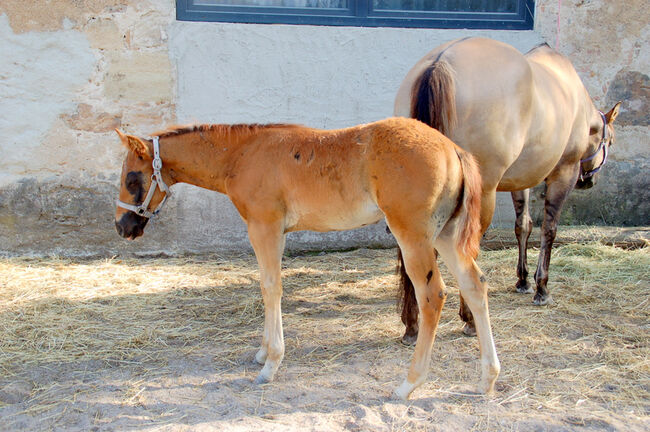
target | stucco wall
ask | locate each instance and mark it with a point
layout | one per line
(69, 75)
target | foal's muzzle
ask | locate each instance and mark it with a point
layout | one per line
(130, 225)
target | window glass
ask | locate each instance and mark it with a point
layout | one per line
(335, 4)
(447, 5)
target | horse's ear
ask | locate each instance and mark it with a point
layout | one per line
(613, 113)
(135, 144)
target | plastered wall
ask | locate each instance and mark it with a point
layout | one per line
(71, 72)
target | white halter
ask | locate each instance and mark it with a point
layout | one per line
(156, 180)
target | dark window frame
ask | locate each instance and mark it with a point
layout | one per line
(359, 14)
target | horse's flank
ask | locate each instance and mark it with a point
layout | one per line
(525, 118)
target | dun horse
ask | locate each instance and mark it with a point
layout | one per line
(284, 178)
(526, 119)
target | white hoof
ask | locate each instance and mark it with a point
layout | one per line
(260, 357)
(267, 373)
(488, 379)
(404, 390)
(261, 379)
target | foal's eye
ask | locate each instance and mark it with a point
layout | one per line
(132, 181)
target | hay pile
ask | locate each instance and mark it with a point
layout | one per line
(585, 359)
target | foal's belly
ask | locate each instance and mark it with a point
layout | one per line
(332, 215)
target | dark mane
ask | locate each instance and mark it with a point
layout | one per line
(542, 45)
(219, 128)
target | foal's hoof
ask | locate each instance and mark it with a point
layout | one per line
(541, 300)
(409, 339)
(524, 288)
(469, 330)
(403, 391)
(261, 379)
(260, 357)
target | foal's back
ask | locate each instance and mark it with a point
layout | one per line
(342, 179)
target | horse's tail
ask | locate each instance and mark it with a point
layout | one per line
(433, 102)
(433, 98)
(468, 236)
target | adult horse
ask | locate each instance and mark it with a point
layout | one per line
(284, 178)
(526, 119)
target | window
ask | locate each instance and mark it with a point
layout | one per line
(477, 14)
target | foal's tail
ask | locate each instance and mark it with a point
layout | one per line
(468, 236)
(433, 98)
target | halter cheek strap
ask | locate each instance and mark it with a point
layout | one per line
(156, 180)
(602, 146)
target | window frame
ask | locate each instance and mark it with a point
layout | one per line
(360, 13)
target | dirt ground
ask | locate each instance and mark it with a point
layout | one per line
(167, 344)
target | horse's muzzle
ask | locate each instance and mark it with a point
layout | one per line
(587, 183)
(131, 226)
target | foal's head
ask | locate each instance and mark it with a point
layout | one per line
(601, 136)
(135, 182)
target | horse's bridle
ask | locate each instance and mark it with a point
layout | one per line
(156, 180)
(603, 146)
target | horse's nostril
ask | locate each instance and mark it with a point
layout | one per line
(119, 229)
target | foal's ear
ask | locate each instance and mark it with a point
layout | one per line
(613, 113)
(135, 144)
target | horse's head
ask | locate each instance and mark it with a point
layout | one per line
(601, 137)
(142, 190)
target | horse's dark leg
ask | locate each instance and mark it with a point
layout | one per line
(409, 303)
(466, 315)
(523, 228)
(558, 186)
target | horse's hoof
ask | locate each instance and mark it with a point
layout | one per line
(469, 330)
(409, 339)
(524, 289)
(542, 300)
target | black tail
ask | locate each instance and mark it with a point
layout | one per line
(433, 102)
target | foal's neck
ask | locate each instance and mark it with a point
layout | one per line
(205, 155)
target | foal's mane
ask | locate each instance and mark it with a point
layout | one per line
(221, 129)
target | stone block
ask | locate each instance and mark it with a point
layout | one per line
(51, 15)
(143, 77)
(633, 89)
(86, 119)
(104, 34)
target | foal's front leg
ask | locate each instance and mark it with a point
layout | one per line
(268, 242)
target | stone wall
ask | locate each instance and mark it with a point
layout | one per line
(71, 71)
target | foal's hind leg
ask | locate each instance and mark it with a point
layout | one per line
(488, 202)
(474, 290)
(268, 243)
(523, 228)
(420, 262)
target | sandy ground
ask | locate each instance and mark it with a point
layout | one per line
(167, 344)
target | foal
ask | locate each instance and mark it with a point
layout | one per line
(284, 178)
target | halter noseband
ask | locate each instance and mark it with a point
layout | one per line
(603, 146)
(156, 180)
